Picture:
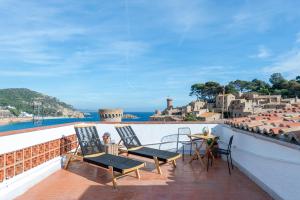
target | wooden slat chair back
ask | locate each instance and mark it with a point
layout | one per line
(89, 140)
(129, 138)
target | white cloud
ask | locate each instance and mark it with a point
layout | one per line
(31, 29)
(261, 16)
(114, 56)
(186, 19)
(19, 73)
(263, 52)
(42, 37)
(51, 71)
(33, 46)
(288, 63)
(185, 15)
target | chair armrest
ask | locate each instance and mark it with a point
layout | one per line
(184, 142)
(159, 143)
(197, 139)
(222, 142)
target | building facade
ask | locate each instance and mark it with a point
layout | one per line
(223, 101)
(172, 113)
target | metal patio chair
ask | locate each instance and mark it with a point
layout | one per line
(226, 152)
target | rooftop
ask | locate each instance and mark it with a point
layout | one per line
(187, 181)
(279, 124)
(31, 166)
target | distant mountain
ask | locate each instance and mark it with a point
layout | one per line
(19, 100)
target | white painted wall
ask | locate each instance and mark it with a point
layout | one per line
(274, 167)
(17, 185)
(22, 140)
(152, 133)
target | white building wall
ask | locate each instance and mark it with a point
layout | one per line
(22, 140)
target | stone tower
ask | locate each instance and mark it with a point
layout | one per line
(169, 103)
(111, 115)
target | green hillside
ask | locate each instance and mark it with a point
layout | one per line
(22, 100)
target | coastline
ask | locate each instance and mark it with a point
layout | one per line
(5, 121)
(62, 117)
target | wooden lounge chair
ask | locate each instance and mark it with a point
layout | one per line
(93, 153)
(134, 147)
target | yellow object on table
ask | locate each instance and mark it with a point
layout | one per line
(202, 136)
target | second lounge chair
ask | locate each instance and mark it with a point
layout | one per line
(134, 147)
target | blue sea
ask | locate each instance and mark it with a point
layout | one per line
(93, 117)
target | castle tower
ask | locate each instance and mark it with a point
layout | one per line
(169, 103)
(111, 115)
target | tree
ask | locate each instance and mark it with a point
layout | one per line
(279, 86)
(196, 90)
(240, 85)
(298, 79)
(230, 89)
(190, 117)
(293, 89)
(15, 112)
(207, 91)
(277, 81)
(259, 86)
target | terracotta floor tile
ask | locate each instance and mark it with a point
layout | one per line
(187, 181)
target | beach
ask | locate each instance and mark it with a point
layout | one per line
(5, 121)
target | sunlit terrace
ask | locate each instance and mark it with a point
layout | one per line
(187, 181)
(32, 161)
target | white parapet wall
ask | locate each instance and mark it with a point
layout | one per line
(10, 144)
(152, 133)
(16, 186)
(18, 141)
(273, 166)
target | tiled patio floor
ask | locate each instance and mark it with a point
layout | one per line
(187, 181)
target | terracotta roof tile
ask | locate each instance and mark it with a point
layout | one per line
(275, 131)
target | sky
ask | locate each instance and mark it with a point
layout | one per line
(134, 54)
